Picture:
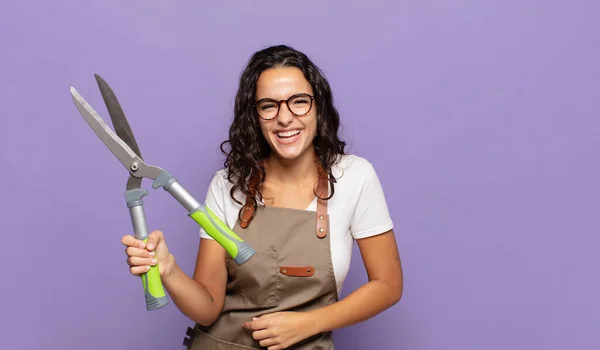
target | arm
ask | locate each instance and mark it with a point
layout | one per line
(384, 289)
(280, 330)
(379, 251)
(380, 256)
(200, 298)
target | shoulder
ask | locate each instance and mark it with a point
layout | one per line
(352, 162)
(219, 179)
(356, 183)
(352, 169)
(218, 199)
(220, 187)
(218, 183)
(359, 199)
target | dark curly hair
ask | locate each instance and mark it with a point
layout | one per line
(248, 148)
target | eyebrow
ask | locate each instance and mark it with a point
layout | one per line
(276, 99)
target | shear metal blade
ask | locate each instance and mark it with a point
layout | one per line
(117, 116)
(114, 143)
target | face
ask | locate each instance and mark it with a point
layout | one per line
(289, 136)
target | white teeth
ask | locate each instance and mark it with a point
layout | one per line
(288, 133)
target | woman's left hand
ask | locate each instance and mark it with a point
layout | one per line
(280, 330)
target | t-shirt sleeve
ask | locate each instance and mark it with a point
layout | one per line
(215, 201)
(371, 216)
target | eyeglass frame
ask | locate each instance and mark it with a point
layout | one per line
(255, 105)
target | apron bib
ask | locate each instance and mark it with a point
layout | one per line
(291, 271)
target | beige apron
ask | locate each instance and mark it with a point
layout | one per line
(291, 270)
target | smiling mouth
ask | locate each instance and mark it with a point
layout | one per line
(287, 134)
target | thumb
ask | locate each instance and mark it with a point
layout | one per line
(154, 239)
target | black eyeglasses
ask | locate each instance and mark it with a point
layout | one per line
(299, 105)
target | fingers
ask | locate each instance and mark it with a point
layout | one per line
(267, 316)
(255, 325)
(138, 270)
(142, 253)
(265, 331)
(130, 241)
(138, 253)
(268, 342)
(140, 265)
(140, 256)
(137, 261)
(263, 335)
(154, 239)
(268, 338)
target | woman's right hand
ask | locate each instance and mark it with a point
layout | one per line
(141, 256)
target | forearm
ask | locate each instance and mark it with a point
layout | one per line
(362, 304)
(190, 296)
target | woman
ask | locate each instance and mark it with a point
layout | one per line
(291, 192)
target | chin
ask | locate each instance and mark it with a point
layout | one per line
(289, 151)
(288, 154)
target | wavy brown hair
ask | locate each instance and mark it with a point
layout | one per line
(247, 146)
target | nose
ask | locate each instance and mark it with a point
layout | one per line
(285, 116)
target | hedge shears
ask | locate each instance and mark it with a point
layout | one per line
(123, 145)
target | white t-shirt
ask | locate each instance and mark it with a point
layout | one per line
(357, 210)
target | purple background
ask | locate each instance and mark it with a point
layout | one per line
(481, 118)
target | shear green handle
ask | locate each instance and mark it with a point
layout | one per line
(154, 292)
(153, 289)
(214, 227)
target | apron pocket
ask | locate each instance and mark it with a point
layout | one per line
(257, 280)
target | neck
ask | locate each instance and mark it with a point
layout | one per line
(295, 171)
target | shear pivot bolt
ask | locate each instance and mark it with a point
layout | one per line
(134, 166)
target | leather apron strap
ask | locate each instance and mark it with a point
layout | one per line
(249, 208)
(291, 270)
